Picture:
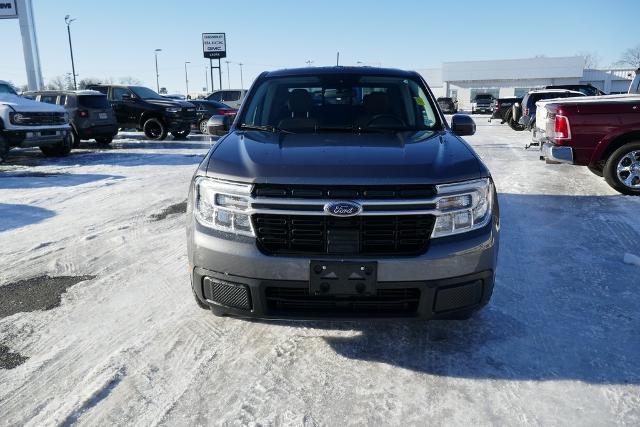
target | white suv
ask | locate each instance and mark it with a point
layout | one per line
(27, 123)
(232, 97)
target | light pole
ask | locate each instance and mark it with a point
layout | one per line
(186, 78)
(228, 76)
(206, 79)
(68, 21)
(241, 82)
(157, 74)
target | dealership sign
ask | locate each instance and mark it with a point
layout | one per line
(214, 45)
(8, 9)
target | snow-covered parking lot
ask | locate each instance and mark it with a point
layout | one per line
(98, 325)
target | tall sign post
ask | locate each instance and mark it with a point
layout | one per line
(23, 11)
(214, 46)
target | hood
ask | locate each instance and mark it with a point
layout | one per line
(339, 158)
(18, 103)
(170, 103)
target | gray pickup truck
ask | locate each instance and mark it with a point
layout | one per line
(342, 192)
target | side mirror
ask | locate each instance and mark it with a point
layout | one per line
(462, 125)
(127, 98)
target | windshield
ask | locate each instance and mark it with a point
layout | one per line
(340, 103)
(145, 93)
(6, 90)
(93, 101)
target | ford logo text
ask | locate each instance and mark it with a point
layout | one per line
(343, 208)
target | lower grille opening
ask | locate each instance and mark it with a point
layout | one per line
(227, 294)
(459, 296)
(386, 302)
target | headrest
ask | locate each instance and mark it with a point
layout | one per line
(299, 101)
(376, 102)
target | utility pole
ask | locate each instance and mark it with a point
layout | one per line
(68, 21)
(186, 78)
(228, 76)
(157, 74)
(241, 82)
(206, 79)
(338, 59)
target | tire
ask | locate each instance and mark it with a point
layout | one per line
(104, 141)
(515, 125)
(75, 139)
(62, 149)
(627, 181)
(202, 125)
(4, 149)
(154, 129)
(182, 134)
(596, 170)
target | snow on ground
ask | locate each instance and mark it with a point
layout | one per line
(559, 343)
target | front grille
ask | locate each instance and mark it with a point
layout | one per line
(386, 302)
(345, 192)
(360, 235)
(40, 119)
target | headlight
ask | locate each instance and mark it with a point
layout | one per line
(463, 207)
(173, 110)
(222, 206)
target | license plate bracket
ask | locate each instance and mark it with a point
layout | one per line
(342, 278)
(103, 116)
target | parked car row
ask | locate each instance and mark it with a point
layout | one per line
(57, 121)
(601, 133)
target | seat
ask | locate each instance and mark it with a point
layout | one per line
(374, 104)
(299, 105)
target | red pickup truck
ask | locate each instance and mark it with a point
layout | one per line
(602, 133)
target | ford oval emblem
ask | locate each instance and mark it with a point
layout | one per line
(343, 208)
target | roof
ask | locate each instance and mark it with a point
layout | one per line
(66, 92)
(314, 71)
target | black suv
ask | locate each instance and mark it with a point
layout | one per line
(205, 109)
(90, 114)
(142, 108)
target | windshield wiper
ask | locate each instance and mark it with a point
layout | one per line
(266, 128)
(387, 129)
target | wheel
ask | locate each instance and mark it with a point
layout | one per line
(622, 170)
(62, 149)
(596, 170)
(104, 141)
(154, 129)
(203, 127)
(182, 134)
(459, 315)
(515, 125)
(75, 139)
(4, 149)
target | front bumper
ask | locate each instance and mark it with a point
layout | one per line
(455, 274)
(179, 123)
(557, 153)
(35, 137)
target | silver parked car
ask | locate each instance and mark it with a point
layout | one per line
(232, 97)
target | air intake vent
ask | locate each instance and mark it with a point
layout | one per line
(227, 294)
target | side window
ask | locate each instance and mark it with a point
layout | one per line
(101, 89)
(117, 92)
(62, 99)
(231, 95)
(216, 96)
(49, 99)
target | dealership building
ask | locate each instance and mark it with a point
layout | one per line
(516, 77)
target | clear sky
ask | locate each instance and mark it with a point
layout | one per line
(117, 37)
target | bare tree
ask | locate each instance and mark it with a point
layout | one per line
(128, 80)
(57, 83)
(630, 58)
(591, 59)
(84, 83)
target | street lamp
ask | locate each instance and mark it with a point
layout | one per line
(228, 76)
(241, 82)
(157, 74)
(68, 21)
(186, 78)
